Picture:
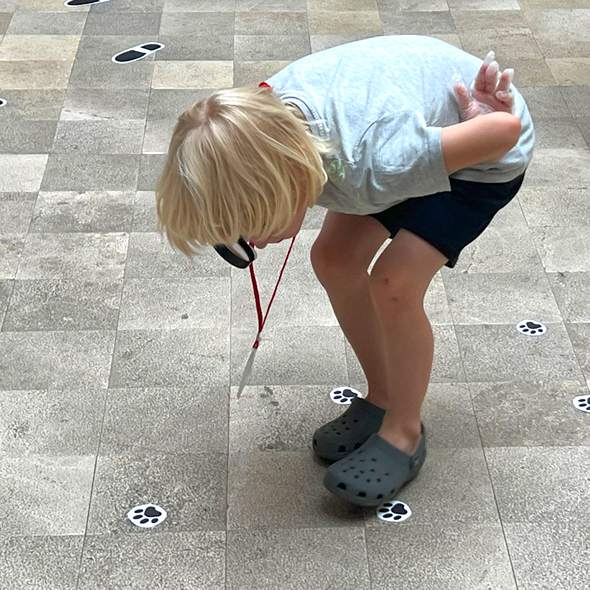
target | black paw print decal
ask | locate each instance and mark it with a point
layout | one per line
(147, 515)
(531, 328)
(344, 395)
(582, 402)
(395, 511)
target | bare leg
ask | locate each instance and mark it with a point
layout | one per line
(399, 282)
(341, 266)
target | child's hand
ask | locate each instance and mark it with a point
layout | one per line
(488, 94)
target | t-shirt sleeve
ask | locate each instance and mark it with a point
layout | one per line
(401, 156)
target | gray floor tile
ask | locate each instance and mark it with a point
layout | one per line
(11, 247)
(283, 490)
(494, 19)
(66, 304)
(452, 488)
(197, 23)
(125, 6)
(483, 5)
(5, 18)
(55, 360)
(199, 6)
(73, 255)
(47, 23)
(49, 422)
(157, 135)
(563, 248)
(577, 99)
(16, 210)
(194, 560)
(250, 47)
(94, 104)
(6, 287)
(170, 103)
(297, 558)
(189, 486)
(84, 172)
(533, 72)
(572, 292)
(90, 211)
(291, 356)
(20, 173)
(341, 23)
(449, 418)
(416, 23)
(34, 491)
(541, 484)
(558, 133)
(500, 298)
(176, 305)
(264, 5)
(104, 47)
(555, 206)
(99, 137)
(321, 42)
(502, 353)
(426, 557)
(32, 105)
(46, 562)
(279, 418)
(111, 76)
(143, 420)
(144, 212)
(271, 23)
(530, 414)
(150, 168)
(580, 336)
(184, 356)
(509, 46)
(567, 544)
(151, 257)
(131, 23)
(26, 137)
(196, 47)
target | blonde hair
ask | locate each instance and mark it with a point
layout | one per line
(240, 164)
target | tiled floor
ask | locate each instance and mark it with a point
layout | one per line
(117, 355)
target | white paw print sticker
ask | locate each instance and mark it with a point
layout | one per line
(147, 516)
(344, 395)
(582, 402)
(394, 511)
(531, 328)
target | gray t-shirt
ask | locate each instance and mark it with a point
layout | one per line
(385, 100)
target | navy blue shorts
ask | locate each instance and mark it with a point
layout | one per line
(451, 220)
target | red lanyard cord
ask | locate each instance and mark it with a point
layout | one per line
(261, 320)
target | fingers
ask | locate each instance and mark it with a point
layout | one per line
(491, 77)
(505, 79)
(480, 80)
(463, 97)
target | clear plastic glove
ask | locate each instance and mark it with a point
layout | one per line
(490, 91)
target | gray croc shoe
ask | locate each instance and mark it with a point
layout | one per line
(375, 472)
(338, 438)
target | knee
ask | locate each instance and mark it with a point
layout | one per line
(331, 266)
(390, 290)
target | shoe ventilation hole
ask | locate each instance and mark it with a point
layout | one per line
(379, 496)
(342, 486)
(362, 494)
(341, 449)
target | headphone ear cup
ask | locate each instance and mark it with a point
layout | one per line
(240, 255)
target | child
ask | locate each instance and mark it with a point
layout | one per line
(375, 132)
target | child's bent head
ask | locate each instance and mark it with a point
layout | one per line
(240, 163)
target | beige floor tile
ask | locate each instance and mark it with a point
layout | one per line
(254, 72)
(21, 173)
(39, 47)
(336, 23)
(572, 71)
(342, 5)
(193, 74)
(450, 38)
(49, 6)
(18, 75)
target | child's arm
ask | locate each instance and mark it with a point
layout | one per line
(483, 139)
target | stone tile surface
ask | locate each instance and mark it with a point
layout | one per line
(120, 358)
